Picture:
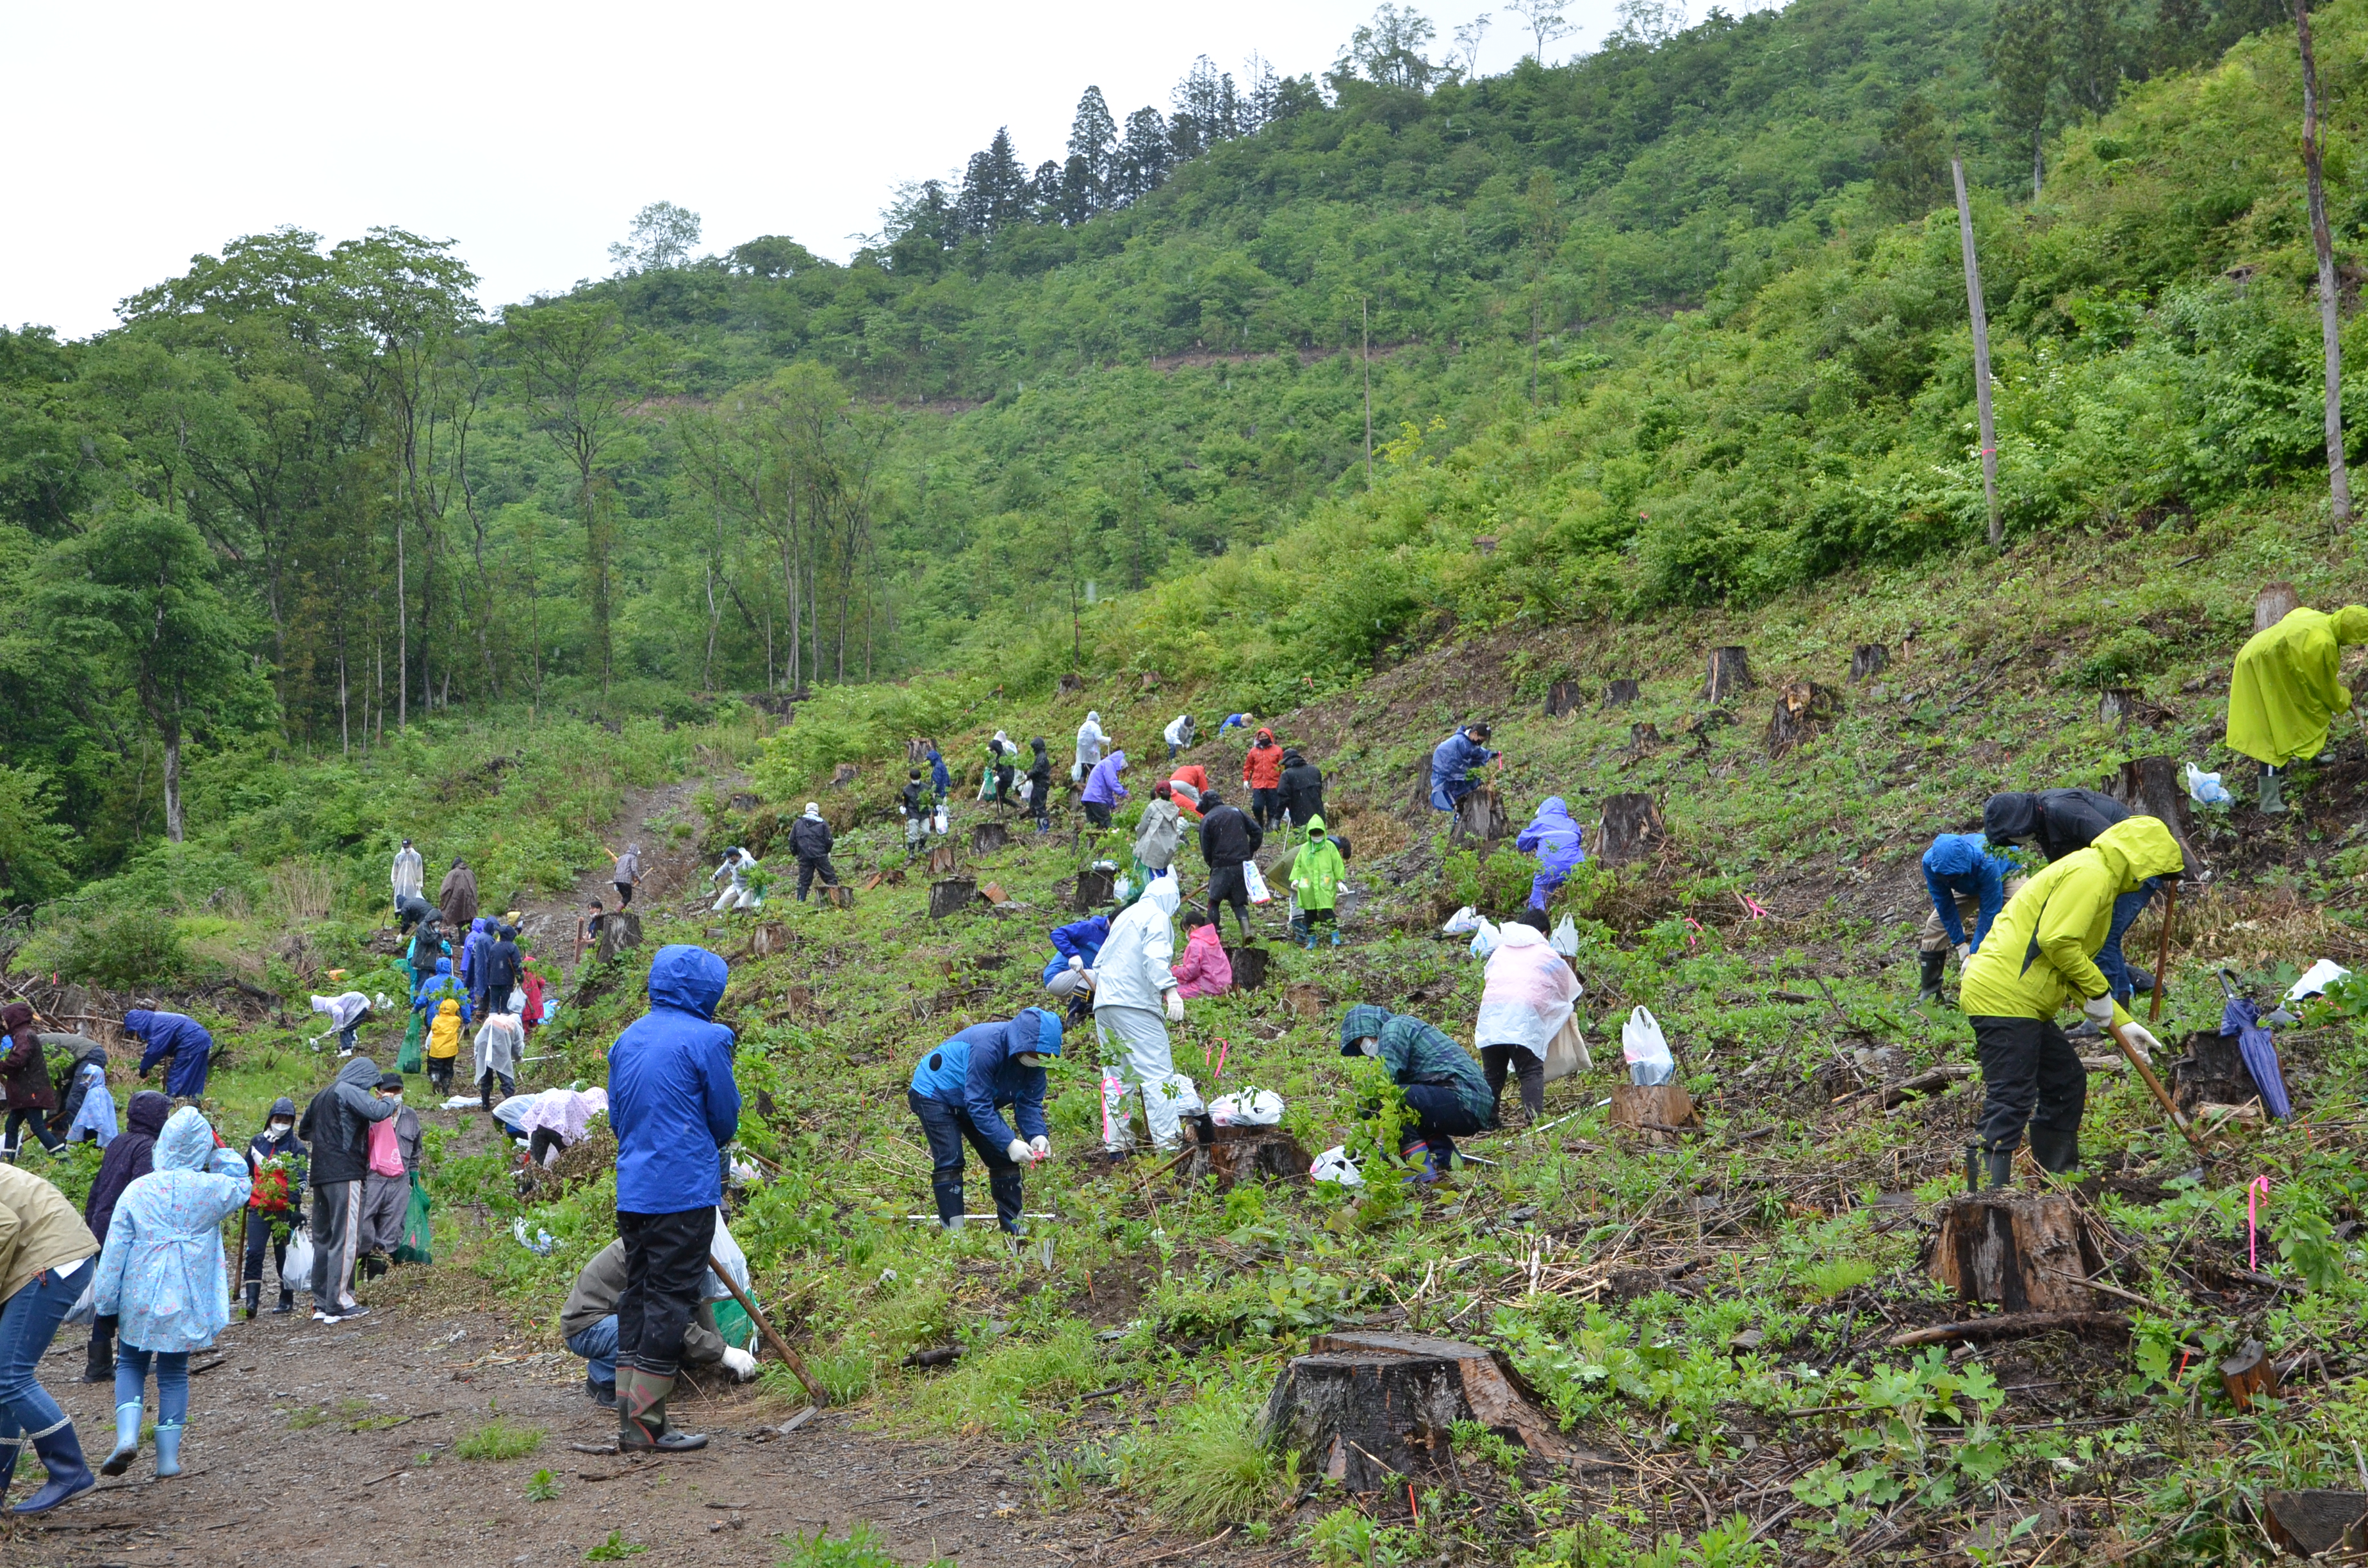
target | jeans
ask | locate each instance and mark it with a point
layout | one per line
(2110, 961)
(172, 1382)
(2030, 1075)
(1528, 1068)
(1439, 1115)
(665, 1258)
(946, 1127)
(28, 1321)
(597, 1346)
(22, 1117)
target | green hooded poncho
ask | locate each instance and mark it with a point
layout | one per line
(2284, 692)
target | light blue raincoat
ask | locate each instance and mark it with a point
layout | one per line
(161, 1270)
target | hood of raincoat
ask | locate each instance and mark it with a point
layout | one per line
(1164, 896)
(1048, 1031)
(15, 1015)
(2014, 815)
(2351, 624)
(1555, 806)
(283, 1106)
(146, 1113)
(1363, 1021)
(2139, 849)
(1266, 736)
(95, 1057)
(1516, 934)
(443, 966)
(690, 980)
(187, 1143)
(813, 810)
(1315, 826)
(1956, 854)
(361, 1071)
(1092, 717)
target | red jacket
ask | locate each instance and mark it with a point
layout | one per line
(1262, 768)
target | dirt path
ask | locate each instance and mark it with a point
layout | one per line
(669, 864)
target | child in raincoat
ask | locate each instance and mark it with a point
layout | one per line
(160, 1274)
(499, 1045)
(2284, 692)
(1315, 872)
(1204, 970)
(444, 1045)
(1558, 844)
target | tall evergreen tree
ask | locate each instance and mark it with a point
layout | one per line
(2022, 58)
(2094, 40)
(1093, 140)
(994, 188)
(1143, 159)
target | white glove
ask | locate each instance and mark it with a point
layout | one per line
(2100, 1010)
(739, 1363)
(1076, 962)
(1174, 1006)
(1040, 1146)
(1017, 1154)
(1964, 951)
(2140, 1036)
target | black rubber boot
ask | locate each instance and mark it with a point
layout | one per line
(2001, 1167)
(1931, 966)
(254, 1298)
(2055, 1151)
(100, 1366)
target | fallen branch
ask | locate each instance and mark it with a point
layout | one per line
(2010, 1326)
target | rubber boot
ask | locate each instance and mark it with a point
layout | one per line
(1335, 937)
(168, 1450)
(600, 1394)
(100, 1366)
(127, 1440)
(254, 1298)
(1932, 965)
(2001, 1167)
(287, 1302)
(953, 1224)
(2056, 1151)
(9, 1451)
(2272, 798)
(641, 1425)
(61, 1453)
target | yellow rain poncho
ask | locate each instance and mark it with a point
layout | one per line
(2042, 950)
(2284, 692)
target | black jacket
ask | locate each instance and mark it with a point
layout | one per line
(810, 838)
(1039, 767)
(917, 798)
(1303, 789)
(1228, 837)
(501, 977)
(2061, 822)
(337, 1123)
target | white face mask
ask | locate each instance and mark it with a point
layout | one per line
(1029, 1058)
(1368, 1046)
(282, 1129)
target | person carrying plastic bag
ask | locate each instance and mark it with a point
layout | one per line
(1559, 845)
(2284, 691)
(1527, 1009)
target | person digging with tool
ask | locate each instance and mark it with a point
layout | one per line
(2039, 954)
(959, 1091)
(2284, 691)
(1444, 1089)
(2065, 822)
(1967, 885)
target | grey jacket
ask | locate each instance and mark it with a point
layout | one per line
(594, 1297)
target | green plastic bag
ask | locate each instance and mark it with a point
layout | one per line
(732, 1323)
(408, 1059)
(417, 1246)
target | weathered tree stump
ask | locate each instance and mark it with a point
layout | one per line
(839, 895)
(1868, 660)
(744, 802)
(986, 837)
(1304, 999)
(917, 751)
(619, 930)
(2250, 1374)
(1072, 682)
(800, 1001)
(1150, 681)
(942, 858)
(1658, 1110)
(2308, 1523)
(1730, 673)
(949, 895)
(1481, 815)
(1621, 693)
(2114, 705)
(1250, 967)
(993, 893)
(768, 938)
(842, 776)
(1248, 1154)
(2211, 1072)
(1364, 1407)
(2027, 1251)
(1562, 698)
(2150, 786)
(1095, 888)
(1804, 709)
(1485, 544)
(2273, 603)
(1642, 735)
(1632, 827)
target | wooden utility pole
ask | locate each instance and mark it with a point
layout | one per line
(1365, 334)
(2338, 480)
(1981, 352)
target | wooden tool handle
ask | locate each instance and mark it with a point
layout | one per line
(2161, 1095)
(780, 1346)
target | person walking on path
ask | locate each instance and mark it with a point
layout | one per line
(503, 963)
(1451, 762)
(1134, 1001)
(960, 1091)
(1529, 998)
(336, 1126)
(1090, 741)
(1040, 786)
(1262, 774)
(444, 1044)
(1967, 883)
(457, 895)
(473, 961)
(1179, 734)
(2287, 690)
(1558, 842)
(130, 1156)
(1103, 791)
(88, 1115)
(500, 1043)
(810, 841)
(409, 877)
(176, 1036)
(161, 1274)
(25, 1077)
(673, 1107)
(45, 1264)
(2040, 954)
(913, 805)
(1441, 1085)
(626, 875)
(1316, 871)
(386, 1178)
(2065, 822)
(277, 1206)
(1228, 839)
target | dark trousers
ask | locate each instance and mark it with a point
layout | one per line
(2110, 961)
(1226, 885)
(28, 1116)
(1441, 1117)
(1098, 814)
(1040, 802)
(625, 893)
(946, 1127)
(440, 1073)
(268, 1232)
(665, 1258)
(2030, 1075)
(1530, 1069)
(808, 868)
(1267, 806)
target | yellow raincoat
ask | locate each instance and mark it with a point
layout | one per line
(2284, 692)
(2041, 950)
(444, 1034)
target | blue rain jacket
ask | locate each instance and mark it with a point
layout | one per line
(183, 1038)
(438, 987)
(1450, 766)
(1558, 842)
(1963, 865)
(975, 1072)
(1078, 939)
(671, 1097)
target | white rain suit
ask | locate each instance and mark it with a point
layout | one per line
(1132, 980)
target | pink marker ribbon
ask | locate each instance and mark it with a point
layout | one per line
(2255, 1190)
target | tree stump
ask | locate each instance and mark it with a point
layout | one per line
(949, 895)
(1804, 709)
(986, 837)
(993, 893)
(917, 751)
(1631, 828)
(1250, 967)
(942, 859)
(1621, 693)
(2211, 1072)
(1095, 888)
(1072, 682)
(2249, 1375)
(2308, 1523)
(2027, 1251)
(842, 776)
(1481, 815)
(1150, 681)
(2150, 786)
(1642, 735)
(1730, 673)
(1304, 999)
(839, 895)
(1361, 1408)
(1248, 1154)
(2273, 603)
(1868, 660)
(1562, 698)
(619, 930)
(768, 938)
(1658, 1110)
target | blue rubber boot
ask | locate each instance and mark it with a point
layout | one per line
(61, 1453)
(9, 1451)
(127, 1440)
(168, 1450)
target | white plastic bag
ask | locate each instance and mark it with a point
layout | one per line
(938, 821)
(1249, 1108)
(1463, 920)
(1256, 883)
(1334, 1165)
(1116, 1136)
(296, 1273)
(1645, 1049)
(1567, 1053)
(724, 1250)
(2205, 789)
(1484, 938)
(1565, 939)
(84, 1308)
(2316, 979)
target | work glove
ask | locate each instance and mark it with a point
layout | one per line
(1174, 1006)
(1076, 962)
(1964, 951)
(2099, 1011)
(2140, 1036)
(1040, 1146)
(739, 1363)
(1019, 1154)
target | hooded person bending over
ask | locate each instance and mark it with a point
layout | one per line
(673, 1104)
(1443, 1088)
(2284, 692)
(1451, 762)
(1559, 845)
(2065, 822)
(959, 1091)
(1969, 885)
(183, 1038)
(2040, 954)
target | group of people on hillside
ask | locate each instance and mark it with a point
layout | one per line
(491, 983)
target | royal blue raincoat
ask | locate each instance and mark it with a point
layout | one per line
(1960, 865)
(978, 1071)
(671, 1097)
(183, 1038)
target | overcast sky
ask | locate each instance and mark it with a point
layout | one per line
(139, 134)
